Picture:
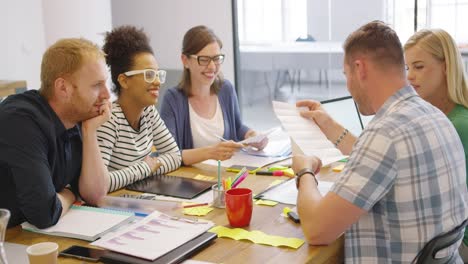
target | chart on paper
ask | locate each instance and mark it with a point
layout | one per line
(153, 236)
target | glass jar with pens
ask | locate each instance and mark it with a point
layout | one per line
(223, 185)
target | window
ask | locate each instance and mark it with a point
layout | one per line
(449, 15)
(269, 21)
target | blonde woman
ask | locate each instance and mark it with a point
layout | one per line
(435, 70)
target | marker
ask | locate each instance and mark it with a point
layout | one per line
(293, 216)
(219, 175)
(270, 173)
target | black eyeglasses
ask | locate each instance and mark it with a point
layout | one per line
(205, 60)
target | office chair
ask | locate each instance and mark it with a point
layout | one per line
(428, 254)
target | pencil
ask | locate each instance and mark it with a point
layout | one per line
(194, 205)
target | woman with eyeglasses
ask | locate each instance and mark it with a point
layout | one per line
(202, 112)
(135, 128)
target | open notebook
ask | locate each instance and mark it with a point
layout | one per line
(83, 222)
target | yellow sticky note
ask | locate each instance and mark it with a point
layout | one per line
(204, 178)
(257, 237)
(197, 211)
(266, 202)
(338, 168)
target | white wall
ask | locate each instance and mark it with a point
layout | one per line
(166, 22)
(22, 42)
(70, 18)
(30, 26)
(346, 16)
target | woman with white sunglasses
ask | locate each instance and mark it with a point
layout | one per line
(135, 143)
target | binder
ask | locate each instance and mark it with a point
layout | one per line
(177, 255)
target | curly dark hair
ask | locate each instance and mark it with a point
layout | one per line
(121, 46)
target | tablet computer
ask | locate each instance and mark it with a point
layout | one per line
(174, 186)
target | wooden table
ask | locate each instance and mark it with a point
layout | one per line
(264, 218)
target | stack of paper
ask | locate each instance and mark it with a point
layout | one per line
(306, 134)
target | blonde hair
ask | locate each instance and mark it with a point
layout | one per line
(441, 45)
(64, 57)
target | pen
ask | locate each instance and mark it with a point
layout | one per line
(219, 175)
(194, 205)
(140, 214)
(270, 173)
(220, 138)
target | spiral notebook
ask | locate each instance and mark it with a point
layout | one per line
(83, 222)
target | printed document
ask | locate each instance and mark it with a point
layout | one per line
(306, 134)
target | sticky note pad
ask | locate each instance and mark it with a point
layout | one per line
(338, 168)
(266, 202)
(198, 211)
(204, 178)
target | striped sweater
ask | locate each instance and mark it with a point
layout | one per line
(123, 149)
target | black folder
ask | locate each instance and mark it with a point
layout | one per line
(171, 186)
(177, 255)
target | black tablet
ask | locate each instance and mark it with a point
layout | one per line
(171, 186)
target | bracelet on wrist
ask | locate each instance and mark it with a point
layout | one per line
(341, 137)
(302, 173)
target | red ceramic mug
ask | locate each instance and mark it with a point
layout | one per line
(239, 206)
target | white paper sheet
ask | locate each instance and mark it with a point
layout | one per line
(287, 193)
(153, 236)
(306, 134)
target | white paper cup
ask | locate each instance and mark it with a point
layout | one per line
(43, 253)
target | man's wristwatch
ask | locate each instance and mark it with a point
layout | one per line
(301, 173)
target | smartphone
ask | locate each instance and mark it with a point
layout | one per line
(83, 253)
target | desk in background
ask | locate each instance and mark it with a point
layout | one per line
(8, 87)
(223, 250)
(291, 58)
(464, 54)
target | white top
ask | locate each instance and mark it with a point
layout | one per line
(123, 149)
(204, 130)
